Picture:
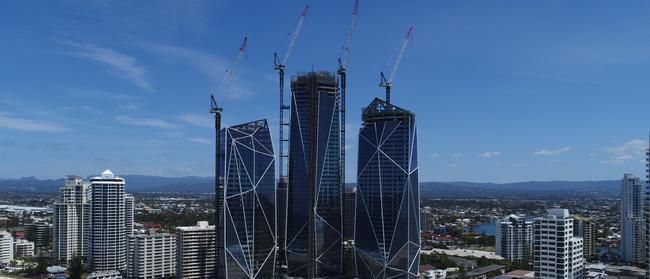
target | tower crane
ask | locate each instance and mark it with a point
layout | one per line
(217, 110)
(388, 82)
(280, 66)
(342, 72)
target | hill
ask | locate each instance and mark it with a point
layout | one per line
(194, 184)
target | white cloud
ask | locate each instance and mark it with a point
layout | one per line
(200, 120)
(435, 155)
(205, 63)
(123, 65)
(490, 154)
(209, 65)
(452, 165)
(151, 122)
(456, 155)
(201, 140)
(29, 125)
(522, 164)
(631, 150)
(551, 152)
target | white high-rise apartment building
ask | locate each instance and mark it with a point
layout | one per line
(71, 218)
(632, 221)
(6, 247)
(23, 249)
(514, 238)
(151, 256)
(107, 247)
(556, 252)
(195, 251)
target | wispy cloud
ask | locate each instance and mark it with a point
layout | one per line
(205, 63)
(491, 154)
(29, 125)
(551, 152)
(456, 155)
(200, 120)
(150, 122)
(631, 150)
(435, 155)
(121, 64)
(99, 94)
(522, 164)
(201, 140)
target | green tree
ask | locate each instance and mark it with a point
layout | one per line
(76, 267)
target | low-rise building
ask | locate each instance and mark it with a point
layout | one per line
(23, 249)
(195, 251)
(108, 274)
(486, 272)
(151, 256)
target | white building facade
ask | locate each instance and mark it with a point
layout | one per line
(151, 256)
(23, 249)
(195, 251)
(514, 238)
(129, 207)
(71, 219)
(107, 246)
(556, 252)
(6, 247)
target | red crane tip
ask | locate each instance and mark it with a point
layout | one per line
(304, 12)
(408, 33)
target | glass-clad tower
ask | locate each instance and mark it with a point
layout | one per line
(249, 207)
(387, 230)
(314, 223)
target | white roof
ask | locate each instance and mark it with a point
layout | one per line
(107, 174)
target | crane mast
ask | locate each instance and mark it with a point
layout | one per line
(342, 72)
(388, 82)
(217, 110)
(280, 66)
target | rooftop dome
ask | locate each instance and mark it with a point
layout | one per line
(107, 174)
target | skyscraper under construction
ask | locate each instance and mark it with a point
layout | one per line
(387, 230)
(314, 223)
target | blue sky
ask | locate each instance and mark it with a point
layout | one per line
(503, 90)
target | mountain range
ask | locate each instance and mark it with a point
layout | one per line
(194, 184)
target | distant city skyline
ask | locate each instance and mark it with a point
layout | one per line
(503, 91)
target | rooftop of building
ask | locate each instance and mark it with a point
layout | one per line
(380, 109)
(200, 225)
(485, 269)
(324, 75)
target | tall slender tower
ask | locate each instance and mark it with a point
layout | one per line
(71, 218)
(314, 223)
(647, 211)
(632, 222)
(107, 247)
(387, 230)
(249, 247)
